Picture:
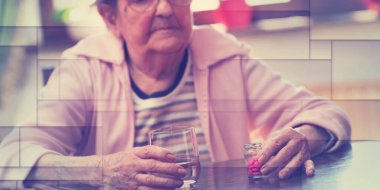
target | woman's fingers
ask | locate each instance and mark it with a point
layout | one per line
(309, 167)
(282, 157)
(154, 152)
(288, 150)
(289, 168)
(154, 166)
(272, 148)
(150, 180)
(152, 188)
(142, 167)
(298, 160)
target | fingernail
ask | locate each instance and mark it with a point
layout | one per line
(282, 175)
(264, 170)
(170, 156)
(309, 172)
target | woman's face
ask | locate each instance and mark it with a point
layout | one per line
(164, 28)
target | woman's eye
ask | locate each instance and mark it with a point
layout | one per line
(138, 1)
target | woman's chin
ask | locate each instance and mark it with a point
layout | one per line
(169, 47)
(169, 43)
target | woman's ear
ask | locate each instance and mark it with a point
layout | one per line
(109, 15)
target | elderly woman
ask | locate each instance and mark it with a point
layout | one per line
(154, 69)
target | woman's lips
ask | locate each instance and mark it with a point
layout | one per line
(165, 28)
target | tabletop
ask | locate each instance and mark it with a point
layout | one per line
(353, 166)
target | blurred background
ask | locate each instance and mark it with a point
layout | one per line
(331, 47)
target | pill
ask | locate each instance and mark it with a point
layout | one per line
(257, 164)
(256, 173)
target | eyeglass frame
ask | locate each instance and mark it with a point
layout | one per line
(154, 3)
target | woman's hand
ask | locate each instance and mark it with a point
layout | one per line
(287, 150)
(148, 167)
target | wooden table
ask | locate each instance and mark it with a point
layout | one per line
(354, 166)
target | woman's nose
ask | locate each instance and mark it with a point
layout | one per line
(164, 8)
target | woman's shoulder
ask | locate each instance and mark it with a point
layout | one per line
(103, 46)
(208, 43)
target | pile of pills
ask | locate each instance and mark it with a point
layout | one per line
(254, 167)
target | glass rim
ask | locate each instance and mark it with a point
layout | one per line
(172, 129)
(253, 144)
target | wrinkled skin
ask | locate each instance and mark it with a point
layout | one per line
(148, 167)
(287, 150)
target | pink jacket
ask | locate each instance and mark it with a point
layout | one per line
(86, 107)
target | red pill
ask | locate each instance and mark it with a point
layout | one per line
(257, 164)
(256, 173)
(254, 166)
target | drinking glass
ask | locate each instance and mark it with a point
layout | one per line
(182, 142)
(251, 153)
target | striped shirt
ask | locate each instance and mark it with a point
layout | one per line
(175, 107)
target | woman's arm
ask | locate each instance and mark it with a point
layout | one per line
(138, 167)
(276, 103)
(67, 170)
(56, 126)
(298, 122)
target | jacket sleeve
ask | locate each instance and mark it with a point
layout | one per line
(275, 103)
(56, 127)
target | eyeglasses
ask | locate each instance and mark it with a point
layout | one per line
(146, 5)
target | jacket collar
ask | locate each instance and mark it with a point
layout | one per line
(205, 52)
